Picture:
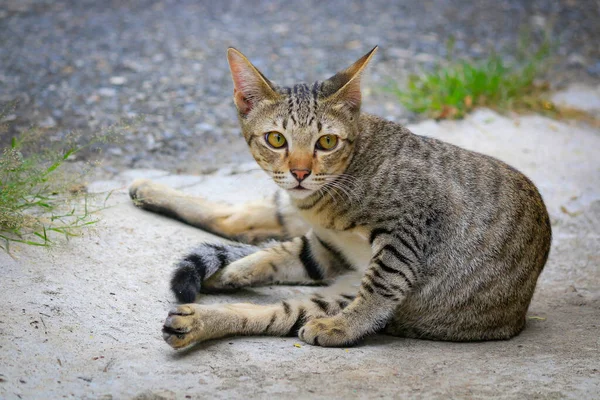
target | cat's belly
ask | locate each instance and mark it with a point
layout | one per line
(353, 245)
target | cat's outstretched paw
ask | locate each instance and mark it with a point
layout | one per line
(136, 188)
(184, 326)
(147, 194)
(327, 332)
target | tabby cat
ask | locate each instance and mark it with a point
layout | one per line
(436, 242)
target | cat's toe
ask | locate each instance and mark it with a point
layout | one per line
(150, 195)
(327, 332)
(182, 326)
(136, 188)
(185, 309)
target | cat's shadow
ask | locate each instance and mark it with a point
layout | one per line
(372, 341)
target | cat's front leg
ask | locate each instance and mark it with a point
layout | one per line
(393, 272)
(253, 222)
(192, 323)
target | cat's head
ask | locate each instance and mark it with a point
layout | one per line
(301, 136)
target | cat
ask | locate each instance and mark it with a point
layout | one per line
(435, 242)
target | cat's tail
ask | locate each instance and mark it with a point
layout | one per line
(201, 263)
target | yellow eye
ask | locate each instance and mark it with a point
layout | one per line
(275, 140)
(327, 142)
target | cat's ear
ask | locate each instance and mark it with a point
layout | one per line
(249, 85)
(345, 85)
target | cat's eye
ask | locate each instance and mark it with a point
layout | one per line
(327, 142)
(275, 140)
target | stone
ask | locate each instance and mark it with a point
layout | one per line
(107, 92)
(47, 123)
(118, 80)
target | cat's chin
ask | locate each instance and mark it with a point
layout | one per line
(300, 193)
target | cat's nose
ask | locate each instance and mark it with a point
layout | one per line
(300, 173)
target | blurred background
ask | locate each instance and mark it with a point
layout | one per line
(81, 66)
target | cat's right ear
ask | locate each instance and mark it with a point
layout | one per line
(249, 85)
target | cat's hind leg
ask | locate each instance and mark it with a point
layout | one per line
(253, 222)
(192, 323)
(220, 267)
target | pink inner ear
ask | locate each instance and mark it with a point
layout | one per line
(352, 95)
(241, 102)
(247, 85)
(241, 78)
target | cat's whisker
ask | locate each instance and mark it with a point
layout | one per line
(349, 181)
(335, 190)
(352, 197)
(352, 185)
(334, 185)
(323, 191)
(353, 189)
(326, 190)
(344, 178)
(334, 195)
(350, 188)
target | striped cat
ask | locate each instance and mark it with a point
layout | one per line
(431, 241)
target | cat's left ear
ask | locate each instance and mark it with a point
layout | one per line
(249, 85)
(346, 83)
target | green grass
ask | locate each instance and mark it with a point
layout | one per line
(40, 199)
(454, 88)
(32, 203)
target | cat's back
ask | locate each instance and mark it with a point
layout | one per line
(397, 164)
(461, 201)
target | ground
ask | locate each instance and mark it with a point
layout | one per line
(83, 320)
(83, 64)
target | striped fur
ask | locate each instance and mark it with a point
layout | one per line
(419, 238)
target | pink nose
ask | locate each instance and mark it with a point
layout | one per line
(300, 174)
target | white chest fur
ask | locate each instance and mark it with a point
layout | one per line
(354, 246)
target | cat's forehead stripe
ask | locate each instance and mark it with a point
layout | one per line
(302, 103)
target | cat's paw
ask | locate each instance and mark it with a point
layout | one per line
(140, 190)
(327, 332)
(150, 195)
(227, 280)
(184, 326)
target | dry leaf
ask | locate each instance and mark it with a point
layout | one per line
(468, 101)
(447, 112)
(538, 318)
(569, 213)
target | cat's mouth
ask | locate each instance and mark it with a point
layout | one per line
(300, 192)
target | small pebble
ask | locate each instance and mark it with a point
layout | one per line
(118, 80)
(107, 92)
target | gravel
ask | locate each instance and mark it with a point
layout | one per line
(84, 65)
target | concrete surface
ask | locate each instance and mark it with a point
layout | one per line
(579, 96)
(84, 320)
